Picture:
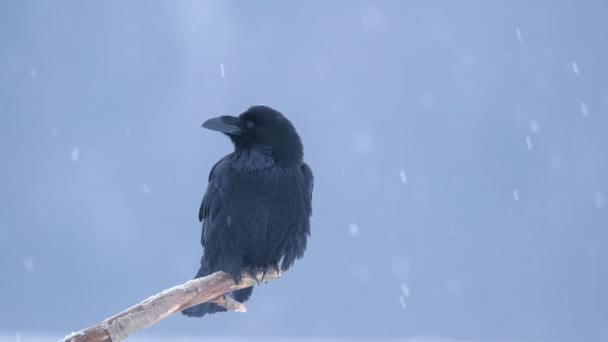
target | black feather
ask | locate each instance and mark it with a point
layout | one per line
(257, 207)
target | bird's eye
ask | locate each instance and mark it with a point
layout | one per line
(250, 124)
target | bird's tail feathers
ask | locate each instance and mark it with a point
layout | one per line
(202, 309)
(209, 308)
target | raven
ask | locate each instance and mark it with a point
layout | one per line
(256, 210)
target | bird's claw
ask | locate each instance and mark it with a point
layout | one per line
(237, 278)
(253, 273)
(254, 270)
(271, 267)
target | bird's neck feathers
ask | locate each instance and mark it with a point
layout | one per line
(285, 155)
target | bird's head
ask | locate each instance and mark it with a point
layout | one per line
(261, 129)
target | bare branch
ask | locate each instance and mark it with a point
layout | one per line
(229, 303)
(211, 288)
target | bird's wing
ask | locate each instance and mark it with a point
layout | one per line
(309, 180)
(298, 233)
(212, 200)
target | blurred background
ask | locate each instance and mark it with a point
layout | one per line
(458, 150)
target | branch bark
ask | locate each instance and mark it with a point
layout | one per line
(211, 288)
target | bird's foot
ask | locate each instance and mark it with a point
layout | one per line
(253, 271)
(270, 267)
(237, 277)
(267, 268)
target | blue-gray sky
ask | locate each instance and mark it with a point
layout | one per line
(458, 150)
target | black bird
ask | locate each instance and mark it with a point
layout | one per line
(257, 207)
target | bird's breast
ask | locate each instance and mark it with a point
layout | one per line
(261, 208)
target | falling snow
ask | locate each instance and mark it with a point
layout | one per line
(353, 229)
(556, 162)
(75, 154)
(28, 264)
(534, 126)
(454, 286)
(469, 61)
(377, 143)
(403, 176)
(373, 18)
(575, 68)
(405, 293)
(584, 109)
(427, 100)
(599, 200)
(515, 195)
(405, 290)
(363, 142)
(360, 272)
(518, 33)
(400, 266)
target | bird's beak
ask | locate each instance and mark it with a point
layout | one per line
(226, 124)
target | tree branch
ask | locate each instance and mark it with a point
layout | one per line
(229, 303)
(211, 288)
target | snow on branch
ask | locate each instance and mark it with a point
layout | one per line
(211, 288)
